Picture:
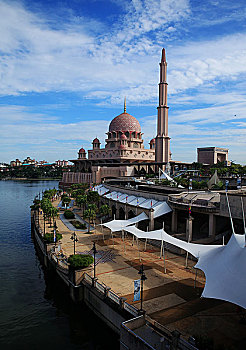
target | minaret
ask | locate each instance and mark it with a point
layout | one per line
(125, 105)
(162, 144)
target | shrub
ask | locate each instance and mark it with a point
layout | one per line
(69, 214)
(49, 237)
(80, 261)
(78, 224)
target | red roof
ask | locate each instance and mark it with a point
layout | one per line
(124, 122)
(152, 141)
(123, 137)
(81, 150)
(96, 140)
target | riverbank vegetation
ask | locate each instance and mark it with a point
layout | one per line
(32, 172)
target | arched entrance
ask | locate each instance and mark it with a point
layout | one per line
(113, 211)
(122, 214)
(131, 214)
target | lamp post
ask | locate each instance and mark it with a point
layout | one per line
(143, 278)
(94, 255)
(74, 239)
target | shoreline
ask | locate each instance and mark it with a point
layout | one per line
(31, 179)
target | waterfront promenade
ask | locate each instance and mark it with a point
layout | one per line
(172, 298)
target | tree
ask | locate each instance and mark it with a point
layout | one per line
(93, 197)
(65, 200)
(89, 213)
(81, 200)
(105, 210)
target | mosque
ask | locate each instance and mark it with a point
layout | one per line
(124, 153)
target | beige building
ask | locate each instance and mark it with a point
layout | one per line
(212, 155)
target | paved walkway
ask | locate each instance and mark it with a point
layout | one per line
(70, 226)
(172, 299)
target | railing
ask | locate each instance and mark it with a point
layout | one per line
(106, 292)
(113, 296)
(131, 309)
(100, 287)
(201, 203)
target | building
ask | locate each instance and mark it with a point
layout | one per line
(124, 153)
(16, 162)
(29, 161)
(162, 140)
(62, 163)
(212, 155)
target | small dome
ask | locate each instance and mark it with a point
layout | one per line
(124, 122)
(152, 141)
(81, 150)
(96, 140)
(122, 147)
(123, 137)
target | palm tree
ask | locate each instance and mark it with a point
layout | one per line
(82, 200)
(105, 210)
(89, 213)
(65, 200)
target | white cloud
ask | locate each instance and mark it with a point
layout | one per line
(107, 63)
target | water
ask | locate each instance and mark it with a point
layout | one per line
(35, 311)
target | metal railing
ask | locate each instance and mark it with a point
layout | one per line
(105, 291)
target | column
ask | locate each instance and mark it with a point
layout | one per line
(151, 220)
(174, 221)
(189, 228)
(212, 225)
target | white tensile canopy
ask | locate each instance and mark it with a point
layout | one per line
(101, 189)
(118, 225)
(161, 208)
(223, 266)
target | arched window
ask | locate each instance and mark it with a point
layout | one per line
(134, 135)
(109, 135)
(114, 134)
(135, 145)
(127, 134)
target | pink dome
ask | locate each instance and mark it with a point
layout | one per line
(124, 122)
(123, 137)
(152, 141)
(96, 140)
(81, 150)
(122, 147)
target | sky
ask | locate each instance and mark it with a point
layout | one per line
(66, 66)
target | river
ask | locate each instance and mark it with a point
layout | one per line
(35, 311)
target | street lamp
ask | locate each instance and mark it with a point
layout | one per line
(143, 278)
(74, 239)
(94, 254)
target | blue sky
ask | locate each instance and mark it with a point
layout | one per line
(67, 65)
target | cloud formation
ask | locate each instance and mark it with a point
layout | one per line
(103, 61)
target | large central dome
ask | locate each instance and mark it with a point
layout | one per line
(124, 122)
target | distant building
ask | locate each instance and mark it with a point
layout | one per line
(62, 163)
(29, 161)
(16, 162)
(212, 155)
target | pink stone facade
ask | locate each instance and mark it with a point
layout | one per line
(124, 142)
(74, 178)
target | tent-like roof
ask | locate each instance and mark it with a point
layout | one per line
(118, 225)
(223, 266)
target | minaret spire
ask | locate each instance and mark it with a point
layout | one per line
(162, 150)
(125, 105)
